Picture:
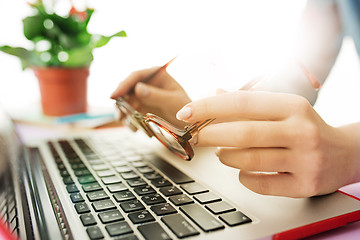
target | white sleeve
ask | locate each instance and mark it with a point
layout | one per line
(319, 42)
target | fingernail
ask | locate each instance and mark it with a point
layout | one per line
(194, 140)
(112, 96)
(217, 152)
(143, 90)
(184, 113)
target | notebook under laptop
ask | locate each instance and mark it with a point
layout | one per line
(115, 184)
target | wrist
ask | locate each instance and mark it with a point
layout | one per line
(351, 150)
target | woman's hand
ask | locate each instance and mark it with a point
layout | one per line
(278, 141)
(161, 95)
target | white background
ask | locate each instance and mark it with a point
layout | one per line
(221, 44)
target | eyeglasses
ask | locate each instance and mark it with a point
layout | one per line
(172, 137)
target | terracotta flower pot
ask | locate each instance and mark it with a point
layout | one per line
(63, 90)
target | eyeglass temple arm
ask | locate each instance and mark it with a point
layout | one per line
(196, 127)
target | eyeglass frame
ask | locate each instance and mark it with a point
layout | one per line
(182, 136)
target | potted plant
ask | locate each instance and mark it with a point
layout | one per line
(60, 57)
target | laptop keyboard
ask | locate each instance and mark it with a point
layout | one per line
(124, 192)
(8, 211)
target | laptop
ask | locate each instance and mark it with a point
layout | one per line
(116, 184)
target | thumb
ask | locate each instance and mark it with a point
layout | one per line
(151, 95)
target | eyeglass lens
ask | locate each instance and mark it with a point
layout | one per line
(168, 140)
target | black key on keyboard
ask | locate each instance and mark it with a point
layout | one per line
(105, 173)
(98, 195)
(129, 175)
(146, 169)
(153, 199)
(161, 182)
(74, 160)
(95, 161)
(141, 217)
(138, 164)
(92, 156)
(86, 179)
(103, 205)
(110, 216)
(117, 187)
(119, 228)
(179, 200)
(179, 225)
(133, 157)
(132, 206)
(136, 182)
(76, 197)
(235, 218)
(163, 209)
(71, 188)
(100, 167)
(194, 188)
(153, 231)
(173, 173)
(170, 191)
(152, 176)
(111, 180)
(207, 198)
(82, 172)
(94, 233)
(123, 169)
(90, 187)
(64, 173)
(78, 166)
(201, 217)
(61, 166)
(68, 180)
(127, 237)
(81, 208)
(124, 196)
(87, 219)
(143, 190)
(115, 162)
(220, 207)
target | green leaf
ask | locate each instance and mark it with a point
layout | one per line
(28, 58)
(39, 6)
(90, 12)
(101, 40)
(69, 25)
(79, 57)
(33, 26)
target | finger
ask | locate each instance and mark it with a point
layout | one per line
(256, 159)
(245, 134)
(242, 104)
(126, 85)
(150, 95)
(220, 91)
(276, 184)
(133, 101)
